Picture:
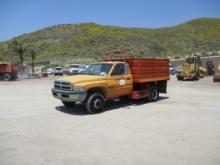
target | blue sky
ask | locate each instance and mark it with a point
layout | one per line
(23, 16)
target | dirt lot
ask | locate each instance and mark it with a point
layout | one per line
(182, 128)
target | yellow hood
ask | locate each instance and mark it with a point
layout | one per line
(82, 78)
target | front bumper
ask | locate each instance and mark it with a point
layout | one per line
(74, 72)
(69, 96)
(61, 73)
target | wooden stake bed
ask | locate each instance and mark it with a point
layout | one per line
(7, 68)
(148, 69)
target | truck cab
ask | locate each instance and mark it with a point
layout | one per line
(103, 81)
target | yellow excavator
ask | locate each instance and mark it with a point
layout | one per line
(192, 69)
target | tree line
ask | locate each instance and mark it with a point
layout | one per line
(21, 49)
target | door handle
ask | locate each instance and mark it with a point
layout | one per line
(128, 78)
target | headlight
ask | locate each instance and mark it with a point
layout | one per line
(78, 89)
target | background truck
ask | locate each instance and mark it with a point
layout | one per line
(192, 69)
(135, 77)
(216, 77)
(74, 69)
(8, 71)
(58, 71)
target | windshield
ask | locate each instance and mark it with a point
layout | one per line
(98, 69)
(74, 66)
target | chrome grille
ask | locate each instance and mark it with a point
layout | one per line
(63, 85)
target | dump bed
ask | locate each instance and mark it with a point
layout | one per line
(149, 69)
(7, 68)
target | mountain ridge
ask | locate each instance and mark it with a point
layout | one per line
(91, 40)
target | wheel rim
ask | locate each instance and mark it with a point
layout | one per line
(97, 104)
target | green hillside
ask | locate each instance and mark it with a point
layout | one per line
(91, 41)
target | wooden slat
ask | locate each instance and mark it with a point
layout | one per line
(147, 70)
(4, 68)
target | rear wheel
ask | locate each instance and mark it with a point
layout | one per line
(68, 104)
(153, 94)
(179, 78)
(95, 103)
(196, 77)
(6, 77)
(14, 76)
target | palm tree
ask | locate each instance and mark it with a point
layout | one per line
(19, 49)
(33, 56)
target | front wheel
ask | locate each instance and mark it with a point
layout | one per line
(68, 104)
(6, 77)
(153, 94)
(95, 103)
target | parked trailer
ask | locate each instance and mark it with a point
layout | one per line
(135, 77)
(8, 71)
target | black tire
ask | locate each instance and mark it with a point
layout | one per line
(68, 104)
(179, 78)
(95, 103)
(14, 76)
(196, 77)
(153, 94)
(6, 77)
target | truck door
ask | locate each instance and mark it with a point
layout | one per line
(121, 80)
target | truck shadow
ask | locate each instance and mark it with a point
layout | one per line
(110, 105)
(76, 110)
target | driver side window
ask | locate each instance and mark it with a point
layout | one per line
(118, 70)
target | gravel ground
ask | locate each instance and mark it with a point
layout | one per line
(182, 128)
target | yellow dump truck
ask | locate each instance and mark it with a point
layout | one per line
(135, 78)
